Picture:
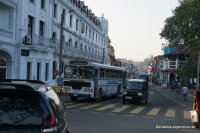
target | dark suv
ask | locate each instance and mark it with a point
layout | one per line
(29, 106)
(136, 91)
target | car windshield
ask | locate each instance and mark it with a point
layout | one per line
(134, 85)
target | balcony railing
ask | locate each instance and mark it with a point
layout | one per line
(41, 41)
(6, 35)
(72, 52)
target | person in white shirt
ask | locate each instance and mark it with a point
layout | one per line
(185, 92)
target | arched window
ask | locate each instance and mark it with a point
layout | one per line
(70, 42)
(81, 46)
(89, 49)
(2, 69)
(76, 44)
(2, 62)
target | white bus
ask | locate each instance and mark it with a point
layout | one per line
(93, 80)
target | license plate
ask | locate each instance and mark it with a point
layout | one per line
(75, 94)
(127, 97)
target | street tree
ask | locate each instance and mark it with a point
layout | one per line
(183, 28)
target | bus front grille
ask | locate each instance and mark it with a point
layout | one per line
(77, 85)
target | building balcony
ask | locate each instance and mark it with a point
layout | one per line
(6, 35)
(75, 53)
(36, 42)
(7, 23)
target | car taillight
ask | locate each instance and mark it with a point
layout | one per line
(49, 123)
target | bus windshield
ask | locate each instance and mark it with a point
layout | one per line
(84, 72)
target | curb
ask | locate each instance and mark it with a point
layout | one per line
(176, 99)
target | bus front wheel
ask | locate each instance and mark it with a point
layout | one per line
(99, 98)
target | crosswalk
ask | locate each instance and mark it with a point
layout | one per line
(170, 113)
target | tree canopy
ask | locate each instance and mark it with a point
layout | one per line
(183, 28)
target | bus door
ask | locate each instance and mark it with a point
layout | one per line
(96, 78)
(123, 80)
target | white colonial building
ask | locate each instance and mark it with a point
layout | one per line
(30, 37)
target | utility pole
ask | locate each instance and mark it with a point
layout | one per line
(198, 70)
(103, 59)
(60, 78)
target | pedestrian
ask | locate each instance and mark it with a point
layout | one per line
(185, 92)
(179, 88)
(196, 105)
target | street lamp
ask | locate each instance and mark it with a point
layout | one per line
(60, 79)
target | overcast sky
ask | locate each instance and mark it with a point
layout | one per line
(134, 25)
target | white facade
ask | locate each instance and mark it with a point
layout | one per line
(30, 37)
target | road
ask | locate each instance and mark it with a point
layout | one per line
(160, 114)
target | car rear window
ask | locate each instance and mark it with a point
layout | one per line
(20, 108)
(55, 103)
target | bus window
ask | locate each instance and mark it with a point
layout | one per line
(112, 74)
(101, 73)
(86, 72)
(71, 72)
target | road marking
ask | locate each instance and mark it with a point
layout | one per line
(120, 108)
(94, 112)
(112, 114)
(130, 115)
(105, 107)
(149, 117)
(75, 110)
(91, 106)
(76, 105)
(153, 112)
(170, 113)
(137, 110)
(69, 103)
(169, 119)
(186, 115)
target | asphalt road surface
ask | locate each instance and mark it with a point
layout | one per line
(160, 114)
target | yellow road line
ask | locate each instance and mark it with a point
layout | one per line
(137, 110)
(105, 107)
(153, 112)
(186, 115)
(76, 105)
(170, 113)
(91, 106)
(120, 108)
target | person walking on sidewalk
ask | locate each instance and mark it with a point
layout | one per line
(196, 105)
(185, 92)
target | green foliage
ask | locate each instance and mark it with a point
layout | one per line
(183, 28)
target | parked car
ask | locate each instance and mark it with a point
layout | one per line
(136, 90)
(28, 106)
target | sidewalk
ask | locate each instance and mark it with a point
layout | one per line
(175, 97)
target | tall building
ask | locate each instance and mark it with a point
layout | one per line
(30, 37)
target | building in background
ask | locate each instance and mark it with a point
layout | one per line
(130, 66)
(30, 37)
(166, 66)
